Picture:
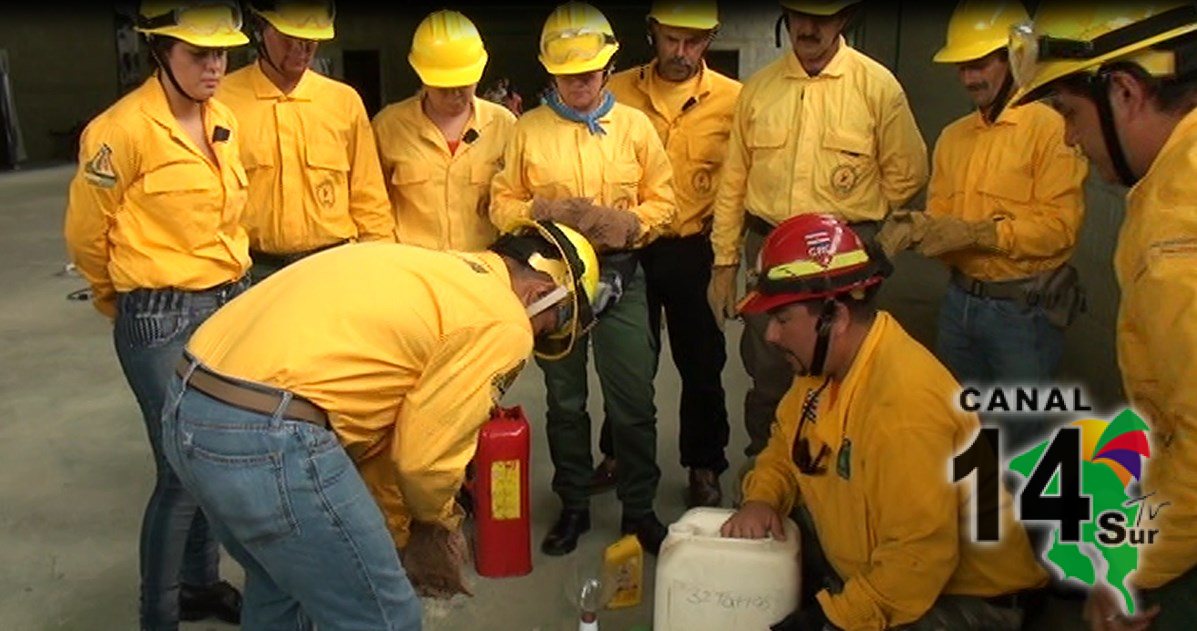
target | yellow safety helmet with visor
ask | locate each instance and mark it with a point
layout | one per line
(576, 38)
(978, 28)
(569, 259)
(302, 19)
(447, 51)
(1067, 38)
(206, 24)
(702, 15)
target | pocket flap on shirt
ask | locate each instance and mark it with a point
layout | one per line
(848, 142)
(1009, 185)
(323, 156)
(621, 172)
(410, 173)
(179, 176)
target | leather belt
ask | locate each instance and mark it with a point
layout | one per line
(283, 260)
(1000, 290)
(253, 397)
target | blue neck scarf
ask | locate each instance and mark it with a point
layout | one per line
(553, 100)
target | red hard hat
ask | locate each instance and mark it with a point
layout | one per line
(809, 257)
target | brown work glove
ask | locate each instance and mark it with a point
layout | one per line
(721, 293)
(949, 234)
(604, 227)
(902, 229)
(435, 560)
(564, 210)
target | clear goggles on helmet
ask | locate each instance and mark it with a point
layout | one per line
(574, 45)
(1029, 48)
(200, 18)
(306, 15)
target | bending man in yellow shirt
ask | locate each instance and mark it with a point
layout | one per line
(381, 357)
(691, 107)
(1127, 90)
(441, 148)
(823, 127)
(862, 447)
(598, 166)
(1004, 208)
(314, 179)
(152, 223)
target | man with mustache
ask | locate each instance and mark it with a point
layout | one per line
(314, 177)
(824, 129)
(691, 107)
(1004, 207)
(861, 452)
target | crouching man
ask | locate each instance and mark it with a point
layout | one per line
(862, 450)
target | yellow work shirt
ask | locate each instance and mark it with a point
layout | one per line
(694, 132)
(441, 199)
(552, 158)
(406, 349)
(890, 521)
(1019, 169)
(1156, 265)
(314, 178)
(148, 209)
(843, 142)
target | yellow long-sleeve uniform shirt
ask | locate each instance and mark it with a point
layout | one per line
(843, 141)
(314, 178)
(889, 520)
(1019, 169)
(1156, 266)
(441, 199)
(406, 349)
(552, 158)
(693, 120)
(148, 209)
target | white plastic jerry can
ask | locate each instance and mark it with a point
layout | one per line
(708, 582)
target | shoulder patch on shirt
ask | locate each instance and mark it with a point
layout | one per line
(502, 381)
(98, 170)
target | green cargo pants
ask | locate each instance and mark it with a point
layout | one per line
(625, 359)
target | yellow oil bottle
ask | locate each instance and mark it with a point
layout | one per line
(623, 570)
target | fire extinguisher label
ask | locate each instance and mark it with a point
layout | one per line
(505, 489)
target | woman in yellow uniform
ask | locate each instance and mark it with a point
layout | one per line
(599, 167)
(153, 224)
(441, 148)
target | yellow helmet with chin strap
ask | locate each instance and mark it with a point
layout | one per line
(701, 15)
(576, 38)
(302, 19)
(1068, 38)
(978, 28)
(447, 51)
(206, 24)
(569, 259)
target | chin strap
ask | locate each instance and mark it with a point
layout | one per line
(164, 67)
(823, 337)
(1100, 94)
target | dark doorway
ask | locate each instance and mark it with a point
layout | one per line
(725, 62)
(363, 71)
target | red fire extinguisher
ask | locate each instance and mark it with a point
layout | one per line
(502, 524)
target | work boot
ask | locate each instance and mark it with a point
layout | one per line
(219, 600)
(647, 528)
(603, 478)
(563, 538)
(704, 489)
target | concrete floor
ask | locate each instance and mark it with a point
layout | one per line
(75, 470)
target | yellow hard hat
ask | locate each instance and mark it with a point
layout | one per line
(207, 24)
(979, 27)
(568, 258)
(576, 38)
(1068, 38)
(697, 14)
(301, 19)
(818, 7)
(447, 51)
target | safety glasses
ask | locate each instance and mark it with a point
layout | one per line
(574, 45)
(800, 452)
(199, 18)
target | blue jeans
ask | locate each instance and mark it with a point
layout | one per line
(151, 329)
(986, 342)
(287, 502)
